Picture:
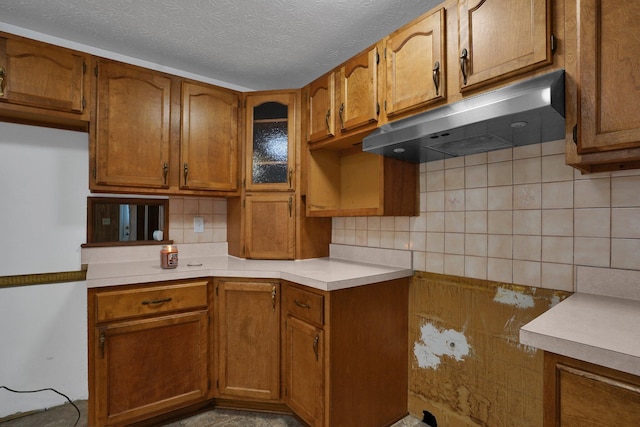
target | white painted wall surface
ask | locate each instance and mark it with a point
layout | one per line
(43, 190)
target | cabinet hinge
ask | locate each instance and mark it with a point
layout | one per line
(84, 68)
(553, 44)
(217, 291)
(95, 70)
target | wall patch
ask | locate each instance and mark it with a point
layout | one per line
(435, 343)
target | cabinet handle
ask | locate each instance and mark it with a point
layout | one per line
(301, 304)
(315, 345)
(101, 342)
(2, 76)
(327, 117)
(463, 64)
(185, 170)
(290, 204)
(165, 172)
(156, 301)
(436, 76)
(341, 114)
(290, 176)
(273, 297)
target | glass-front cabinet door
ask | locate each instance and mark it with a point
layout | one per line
(270, 141)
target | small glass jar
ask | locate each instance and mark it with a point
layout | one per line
(169, 256)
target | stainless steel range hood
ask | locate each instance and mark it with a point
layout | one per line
(524, 113)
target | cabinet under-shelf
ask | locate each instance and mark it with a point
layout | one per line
(354, 183)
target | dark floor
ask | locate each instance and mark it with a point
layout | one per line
(66, 416)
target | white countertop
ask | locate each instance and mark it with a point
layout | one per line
(600, 329)
(327, 274)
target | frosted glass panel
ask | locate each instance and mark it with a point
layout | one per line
(270, 143)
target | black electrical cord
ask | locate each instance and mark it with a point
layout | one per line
(46, 389)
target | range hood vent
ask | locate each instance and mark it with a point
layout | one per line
(530, 112)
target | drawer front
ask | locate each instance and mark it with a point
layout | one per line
(305, 305)
(144, 301)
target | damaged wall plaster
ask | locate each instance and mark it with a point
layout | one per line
(435, 343)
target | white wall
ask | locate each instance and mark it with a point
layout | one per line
(43, 190)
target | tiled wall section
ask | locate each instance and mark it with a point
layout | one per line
(182, 210)
(516, 216)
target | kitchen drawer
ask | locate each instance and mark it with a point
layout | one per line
(148, 300)
(305, 305)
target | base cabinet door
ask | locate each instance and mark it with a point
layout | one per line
(151, 366)
(248, 321)
(305, 356)
(582, 394)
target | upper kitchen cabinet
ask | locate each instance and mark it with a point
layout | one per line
(321, 108)
(41, 83)
(415, 64)
(502, 38)
(342, 105)
(209, 143)
(359, 104)
(271, 136)
(132, 128)
(603, 124)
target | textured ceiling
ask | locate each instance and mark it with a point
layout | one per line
(255, 44)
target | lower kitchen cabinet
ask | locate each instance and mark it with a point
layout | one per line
(346, 353)
(148, 350)
(582, 394)
(247, 314)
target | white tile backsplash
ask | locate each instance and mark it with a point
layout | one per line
(518, 216)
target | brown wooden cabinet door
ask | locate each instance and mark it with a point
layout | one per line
(208, 148)
(321, 108)
(42, 75)
(270, 229)
(271, 139)
(132, 138)
(359, 91)
(582, 394)
(305, 367)
(150, 366)
(500, 38)
(608, 64)
(249, 339)
(415, 64)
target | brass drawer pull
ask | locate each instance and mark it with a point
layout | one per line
(156, 301)
(301, 304)
(315, 345)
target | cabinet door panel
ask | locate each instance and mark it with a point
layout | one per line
(249, 328)
(321, 108)
(608, 65)
(150, 366)
(208, 148)
(270, 226)
(271, 137)
(305, 358)
(133, 118)
(42, 75)
(415, 65)
(502, 37)
(358, 91)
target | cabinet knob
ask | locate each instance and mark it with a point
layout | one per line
(2, 76)
(463, 64)
(436, 76)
